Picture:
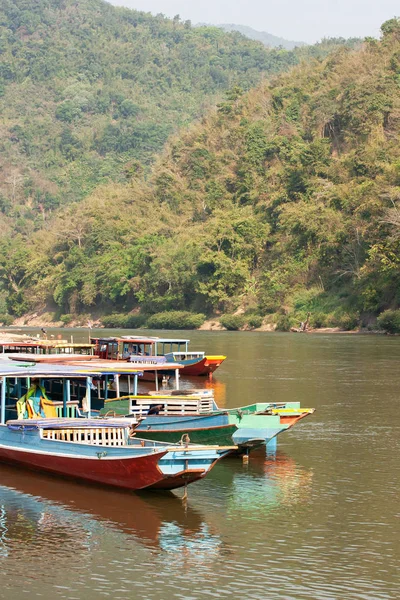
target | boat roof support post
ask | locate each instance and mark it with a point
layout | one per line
(64, 390)
(66, 396)
(177, 378)
(3, 401)
(156, 380)
(89, 397)
(117, 385)
(135, 384)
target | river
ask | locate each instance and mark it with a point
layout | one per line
(318, 518)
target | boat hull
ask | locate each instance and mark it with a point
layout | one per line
(221, 436)
(129, 473)
(134, 467)
(205, 366)
(245, 431)
(247, 427)
(197, 367)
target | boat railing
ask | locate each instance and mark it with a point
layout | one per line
(148, 360)
(72, 407)
(185, 355)
(104, 436)
(172, 406)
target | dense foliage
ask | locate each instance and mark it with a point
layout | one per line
(90, 92)
(283, 201)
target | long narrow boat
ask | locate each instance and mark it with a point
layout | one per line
(195, 363)
(102, 451)
(200, 418)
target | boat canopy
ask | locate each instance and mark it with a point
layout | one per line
(60, 423)
(124, 346)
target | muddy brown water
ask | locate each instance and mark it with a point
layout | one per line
(318, 518)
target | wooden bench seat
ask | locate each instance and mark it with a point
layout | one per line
(175, 406)
(104, 436)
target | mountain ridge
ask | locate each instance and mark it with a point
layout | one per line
(90, 92)
(268, 39)
(281, 202)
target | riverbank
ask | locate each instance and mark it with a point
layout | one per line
(46, 319)
(16, 330)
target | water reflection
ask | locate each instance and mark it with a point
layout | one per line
(269, 481)
(56, 518)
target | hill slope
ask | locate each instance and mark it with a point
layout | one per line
(269, 40)
(284, 200)
(90, 92)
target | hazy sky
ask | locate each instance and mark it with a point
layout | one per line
(300, 20)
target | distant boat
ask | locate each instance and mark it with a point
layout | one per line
(195, 363)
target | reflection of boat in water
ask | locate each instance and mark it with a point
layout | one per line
(267, 482)
(34, 505)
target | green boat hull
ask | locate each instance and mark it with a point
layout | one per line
(247, 427)
(218, 436)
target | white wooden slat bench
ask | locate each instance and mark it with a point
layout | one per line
(104, 436)
(172, 406)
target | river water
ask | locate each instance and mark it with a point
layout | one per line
(318, 518)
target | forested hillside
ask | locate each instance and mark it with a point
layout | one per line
(282, 201)
(272, 41)
(90, 92)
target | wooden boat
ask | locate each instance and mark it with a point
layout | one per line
(103, 368)
(45, 348)
(199, 417)
(173, 350)
(196, 363)
(24, 346)
(247, 427)
(102, 451)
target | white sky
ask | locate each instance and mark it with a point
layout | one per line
(299, 20)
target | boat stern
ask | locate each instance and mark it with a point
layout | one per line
(183, 465)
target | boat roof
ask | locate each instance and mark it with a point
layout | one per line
(60, 423)
(172, 341)
(66, 345)
(30, 344)
(51, 358)
(140, 339)
(75, 366)
(123, 367)
(43, 370)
